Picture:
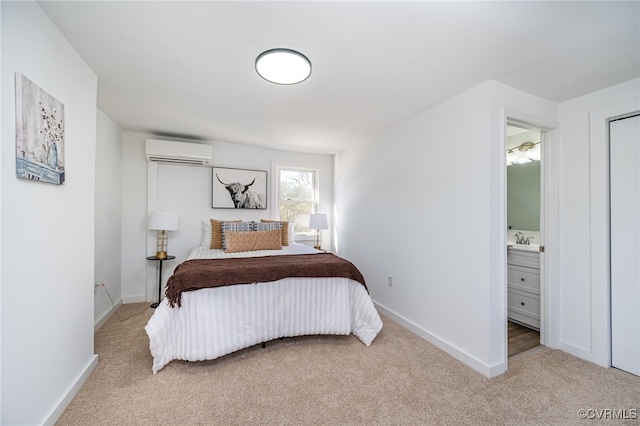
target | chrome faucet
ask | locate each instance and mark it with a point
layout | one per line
(527, 242)
(520, 238)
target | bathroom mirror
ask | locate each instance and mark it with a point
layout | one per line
(523, 185)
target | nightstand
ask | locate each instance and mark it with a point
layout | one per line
(155, 305)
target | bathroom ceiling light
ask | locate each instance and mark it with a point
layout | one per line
(523, 153)
(283, 66)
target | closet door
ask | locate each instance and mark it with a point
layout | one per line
(624, 141)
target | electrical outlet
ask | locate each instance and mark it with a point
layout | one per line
(390, 281)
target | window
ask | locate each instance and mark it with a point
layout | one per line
(297, 196)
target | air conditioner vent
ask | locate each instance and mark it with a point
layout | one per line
(157, 159)
(193, 154)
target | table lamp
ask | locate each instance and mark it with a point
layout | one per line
(318, 221)
(163, 221)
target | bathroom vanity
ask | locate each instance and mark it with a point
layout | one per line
(523, 286)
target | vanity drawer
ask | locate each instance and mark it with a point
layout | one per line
(521, 258)
(526, 279)
(525, 304)
(524, 308)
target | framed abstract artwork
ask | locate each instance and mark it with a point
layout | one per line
(39, 134)
(238, 188)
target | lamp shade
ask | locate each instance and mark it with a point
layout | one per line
(318, 221)
(163, 221)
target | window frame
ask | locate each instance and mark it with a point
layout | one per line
(316, 194)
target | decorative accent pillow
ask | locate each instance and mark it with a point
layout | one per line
(266, 226)
(215, 240)
(251, 241)
(285, 229)
(235, 226)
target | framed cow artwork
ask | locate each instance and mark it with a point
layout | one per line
(238, 188)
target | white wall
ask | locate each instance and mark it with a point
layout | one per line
(108, 218)
(47, 230)
(187, 190)
(584, 327)
(425, 203)
(1, 240)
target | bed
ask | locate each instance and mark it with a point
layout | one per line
(203, 322)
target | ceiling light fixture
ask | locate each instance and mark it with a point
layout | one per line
(523, 153)
(283, 66)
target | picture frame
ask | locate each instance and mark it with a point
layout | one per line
(40, 135)
(238, 188)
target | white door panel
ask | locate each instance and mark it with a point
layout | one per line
(625, 243)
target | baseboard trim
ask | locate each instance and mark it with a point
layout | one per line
(134, 299)
(72, 392)
(582, 353)
(106, 316)
(472, 362)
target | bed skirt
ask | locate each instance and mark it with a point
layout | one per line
(213, 322)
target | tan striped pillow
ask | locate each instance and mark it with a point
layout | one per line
(216, 233)
(236, 241)
(285, 230)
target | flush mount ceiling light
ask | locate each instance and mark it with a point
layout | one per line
(283, 66)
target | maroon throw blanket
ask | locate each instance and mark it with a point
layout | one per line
(203, 273)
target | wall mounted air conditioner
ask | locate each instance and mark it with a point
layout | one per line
(194, 154)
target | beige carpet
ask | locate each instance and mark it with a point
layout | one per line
(336, 380)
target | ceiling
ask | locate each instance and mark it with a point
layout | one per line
(186, 69)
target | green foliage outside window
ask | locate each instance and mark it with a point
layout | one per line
(297, 197)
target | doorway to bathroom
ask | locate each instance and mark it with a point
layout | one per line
(525, 247)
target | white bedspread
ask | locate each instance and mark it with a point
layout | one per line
(213, 322)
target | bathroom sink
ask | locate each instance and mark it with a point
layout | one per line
(524, 247)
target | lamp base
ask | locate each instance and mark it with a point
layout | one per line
(161, 255)
(317, 243)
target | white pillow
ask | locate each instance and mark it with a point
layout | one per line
(205, 240)
(291, 232)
